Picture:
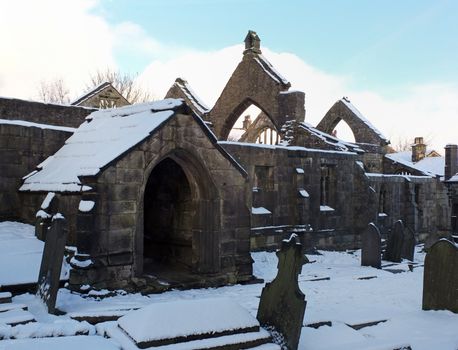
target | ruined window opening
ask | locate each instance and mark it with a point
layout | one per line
(268, 137)
(344, 132)
(246, 118)
(382, 207)
(327, 185)
(454, 223)
(104, 104)
(264, 178)
(417, 194)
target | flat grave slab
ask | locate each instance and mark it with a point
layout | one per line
(247, 341)
(186, 320)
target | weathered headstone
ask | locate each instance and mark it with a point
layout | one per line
(394, 244)
(408, 247)
(41, 227)
(371, 252)
(51, 262)
(282, 304)
(440, 279)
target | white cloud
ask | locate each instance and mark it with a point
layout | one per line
(50, 39)
(429, 110)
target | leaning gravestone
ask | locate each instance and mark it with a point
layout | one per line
(440, 279)
(371, 252)
(395, 242)
(408, 247)
(51, 263)
(282, 304)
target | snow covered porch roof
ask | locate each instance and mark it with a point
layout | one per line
(105, 136)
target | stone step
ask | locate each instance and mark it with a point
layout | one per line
(11, 306)
(5, 297)
(16, 317)
(99, 316)
(253, 340)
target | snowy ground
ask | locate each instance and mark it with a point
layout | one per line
(20, 254)
(343, 299)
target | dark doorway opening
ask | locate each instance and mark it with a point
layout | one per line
(168, 220)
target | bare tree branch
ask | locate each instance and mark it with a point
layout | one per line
(54, 91)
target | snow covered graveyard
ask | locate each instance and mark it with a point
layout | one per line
(348, 306)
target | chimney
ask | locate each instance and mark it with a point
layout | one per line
(418, 150)
(451, 161)
(246, 122)
(252, 43)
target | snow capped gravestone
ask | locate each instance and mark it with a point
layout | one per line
(282, 304)
(43, 218)
(440, 279)
(51, 263)
(371, 253)
(395, 243)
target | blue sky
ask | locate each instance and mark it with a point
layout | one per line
(382, 45)
(395, 60)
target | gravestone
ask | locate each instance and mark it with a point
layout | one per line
(41, 227)
(51, 262)
(371, 252)
(394, 244)
(408, 247)
(282, 304)
(440, 279)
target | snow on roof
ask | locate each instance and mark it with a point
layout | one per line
(288, 148)
(347, 103)
(104, 136)
(191, 95)
(269, 69)
(36, 125)
(90, 93)
(432, 166)
(332, 140)
(454, 178)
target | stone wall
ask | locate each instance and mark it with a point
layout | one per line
(22, 148)
(419, 201)
(291, 191)
(43, 113)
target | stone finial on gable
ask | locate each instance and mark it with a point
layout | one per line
(252, 42)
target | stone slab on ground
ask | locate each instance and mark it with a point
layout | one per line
(99, 316)
(186, 320)
(5, 297)
(67, 343)
(12, 306)
(252, 340)
(15, 317)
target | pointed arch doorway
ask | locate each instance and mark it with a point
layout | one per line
(180, 211)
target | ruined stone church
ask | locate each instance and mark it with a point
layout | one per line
(156, 191)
